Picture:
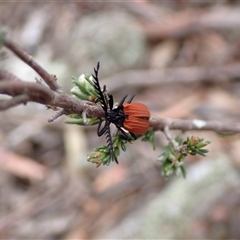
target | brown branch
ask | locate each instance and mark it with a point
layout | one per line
(48, 78)
(57, 115)
(191, 21)
(21, 99)
(42, 94)
(183, 75)
(35, 92)
(158, 123)
(170, 138)
(68, 104)
(73, 105)
(4, 75)
(177, 26)
(35, 206)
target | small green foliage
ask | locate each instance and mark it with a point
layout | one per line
(102, 154)
(2, 53)
(196, 145)
(79, 120)
(149, 136)
(83, 89)
(172, 159)
(2, 37)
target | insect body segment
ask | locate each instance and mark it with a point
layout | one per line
(133, 117)
(137, 117)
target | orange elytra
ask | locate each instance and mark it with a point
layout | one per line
(137, 118)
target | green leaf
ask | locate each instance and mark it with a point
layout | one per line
(172, 160)
(80, 95)
(81, 87)
(77, 122)
(88, 79)
(149, 136)
(183, 171)
(2, 38)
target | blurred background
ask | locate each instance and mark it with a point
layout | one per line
(182, 59)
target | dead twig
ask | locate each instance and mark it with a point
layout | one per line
(35, 92)
(57, 99)
(195, 124)
(37, 205)
(57, 115)
(170, 138)
(4, 75)
(183, 75)
(21, 99)
(182, 24)
(48, 78)
(42, 94)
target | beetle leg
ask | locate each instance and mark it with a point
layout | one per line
(133, 136)
(100, 132)
(125, 135)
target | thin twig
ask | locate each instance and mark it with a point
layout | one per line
(170, 138)
(58, 99)
(36, 205)
(183, 75)
(42, 94)
(181, 24)
(48, 78)
(56, 115)
(21, 99)
(4, 75)
(34, 91)
(196, 124)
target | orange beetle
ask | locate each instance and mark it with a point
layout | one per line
(133, 117)
(137, 118)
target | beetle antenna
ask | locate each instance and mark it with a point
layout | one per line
(131, 98)
(110, 98)
(122, 101)
(110, 143)
(98, 88)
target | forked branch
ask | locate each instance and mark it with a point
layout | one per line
(53, 97)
